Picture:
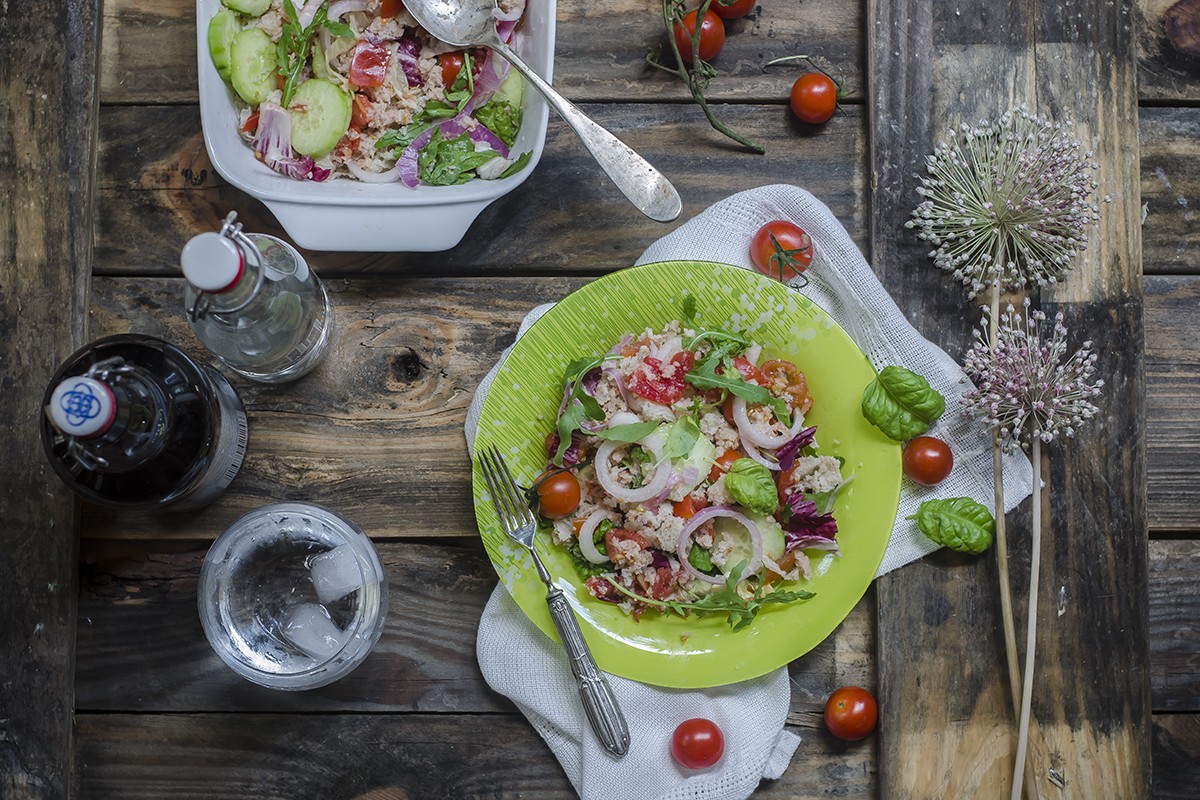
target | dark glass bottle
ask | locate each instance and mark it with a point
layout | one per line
(134, 422)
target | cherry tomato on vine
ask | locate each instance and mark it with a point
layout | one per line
(712, 36)
(558, 494)
(734, 10)
(851, 713)
(697, 743)
(814, 97)
(781, 250)
(927, 460)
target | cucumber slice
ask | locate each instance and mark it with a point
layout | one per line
(251, 8)
(773, 538)
(320, 117)
(221, 30)
(511, 90)
(252, 65)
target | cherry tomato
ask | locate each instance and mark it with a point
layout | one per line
(451, 64)
(369, 65)
(851, 713)
(734, 9)
(697, 743)
(251, 123)
(712, 36)
(783, 378)
(687, 507)
(814, 97)
(722, 465)
(781, 249)
(558, 494)
(391, 8)
(927, 460)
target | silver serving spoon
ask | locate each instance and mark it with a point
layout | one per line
(469, 23)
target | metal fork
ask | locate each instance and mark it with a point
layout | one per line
(519, 523)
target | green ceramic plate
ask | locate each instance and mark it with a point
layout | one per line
(520, 410)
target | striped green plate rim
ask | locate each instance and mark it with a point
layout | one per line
(520, 410)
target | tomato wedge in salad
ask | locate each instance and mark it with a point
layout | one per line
(662, 383)
(369, 66)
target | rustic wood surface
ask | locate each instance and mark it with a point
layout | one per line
(47, 147)
(157, 715)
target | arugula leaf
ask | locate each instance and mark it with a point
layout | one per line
(517, 165)
(338, 29)
(502, 119)
(295, 43)
(959, 523)
(901, 403)
(739, 342)
(740, 611)
(633, 432)
(684, 434)
(580, 405)
(448, 162)
(704, 376)
(689, 311)
(464, 84)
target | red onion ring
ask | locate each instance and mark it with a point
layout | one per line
(756, 437)
(704, 515)
(342, 7)
(624, 494)
(752, 453)
(586, 544)
(366, 176)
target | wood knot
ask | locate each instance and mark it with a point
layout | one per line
(407, 367)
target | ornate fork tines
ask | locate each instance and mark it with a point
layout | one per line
(507, 499)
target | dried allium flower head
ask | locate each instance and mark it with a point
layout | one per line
(1024, 387)
(1007, 202)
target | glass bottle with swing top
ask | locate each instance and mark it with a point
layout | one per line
(252, 300)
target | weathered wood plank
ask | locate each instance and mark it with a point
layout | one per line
(1091, 704)
(537, 228)
(297, 757)
(133, 593)
(1175, 625)
(1176, 756)
(48, 108)
(149, 53)
(1170, 168)
(1173, 402)
(1164, 74)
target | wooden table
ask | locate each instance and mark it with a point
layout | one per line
(107, 686)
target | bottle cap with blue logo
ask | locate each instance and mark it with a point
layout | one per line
(82, 407)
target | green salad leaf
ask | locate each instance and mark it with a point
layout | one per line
(751, 486)
(580, 405)
(959, 523)
(501, 119)
(448, 162)
(633, 432)
(705, 376)
(682, 438)
(901, 403)
(517, 165)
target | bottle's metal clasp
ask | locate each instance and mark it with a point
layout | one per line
(232, 229)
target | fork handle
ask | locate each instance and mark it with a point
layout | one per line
(598, 700)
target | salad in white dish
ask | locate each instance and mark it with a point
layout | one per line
(357, 89)
(682, 478)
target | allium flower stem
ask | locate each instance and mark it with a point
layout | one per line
(1031, 623)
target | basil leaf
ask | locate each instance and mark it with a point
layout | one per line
(901, 403)
(682, 438)
(633, 432)
(751, 486)
(960, 524)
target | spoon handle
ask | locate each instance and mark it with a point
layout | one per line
(645, 186)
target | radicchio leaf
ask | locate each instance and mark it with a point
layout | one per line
(787, 454)
(273, 145)
(805, 528)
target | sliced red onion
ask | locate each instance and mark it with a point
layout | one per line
(712, 512)
(662, 475)
(814, 542)
(336, 10)
(366, 176)
(307, 11)
(512, 15)
(623, 418)
(758, 438)
(752, 453)
(481, 133)
(505, 27)
(587, 544)
(406, 164)
(690, 475)
(804, 564)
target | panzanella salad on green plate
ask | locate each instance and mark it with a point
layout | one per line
(682, 478)
(356, 88)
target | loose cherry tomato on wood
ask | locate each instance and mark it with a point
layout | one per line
(927, 460)
(734, 9)
(558, 494)
(369, 65)
(781, 250)
(851, 713)
(697, 743)
(712, 36)
(814, 97)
